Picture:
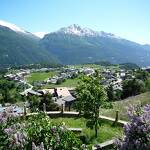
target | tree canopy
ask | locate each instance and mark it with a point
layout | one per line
(90, 97)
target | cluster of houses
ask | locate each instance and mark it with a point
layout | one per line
(64, 95)
(115, 78)
(69, 73)
(61, 96)
(146, 69)
(18, 76)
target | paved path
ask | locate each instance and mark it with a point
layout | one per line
(113, 119)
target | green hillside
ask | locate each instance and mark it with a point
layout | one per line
(123, 105)
(18, 48)
(75, 49)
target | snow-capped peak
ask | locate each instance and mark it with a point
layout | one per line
(77, 30)
(11, 26)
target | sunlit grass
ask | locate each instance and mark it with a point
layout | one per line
(66, 83)
(39, 76)
(123, 105)
(105, 132)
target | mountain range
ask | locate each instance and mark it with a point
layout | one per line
(68, 45)
(19, 47)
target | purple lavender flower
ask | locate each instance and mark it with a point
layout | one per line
(41, 146)
(33, 146)
(137, 132)
(8, 131)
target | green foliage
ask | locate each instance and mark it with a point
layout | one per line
(113, 95)
(129, 66)
(103, 63)
(141, 75)
(9, 91)
(50, 105)
(72, 49)
(132, 87)
(105, 132)
(67, 83)
(144, 76)
(37, 66)
(110, 93)
(39, 76)
(18, 49)
(147, 84)
(34, 103)
(36, 131)
(90, 97)
(60, 81)
(122, 105)
(6, 89)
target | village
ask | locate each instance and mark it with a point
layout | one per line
(61, 95)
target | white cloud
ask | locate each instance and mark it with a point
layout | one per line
(40, 34)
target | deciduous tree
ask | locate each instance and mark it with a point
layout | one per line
(90, 97)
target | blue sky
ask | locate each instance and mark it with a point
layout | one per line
(126, 18)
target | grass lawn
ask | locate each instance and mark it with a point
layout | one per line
(123, 105)
(39, 76)
(105, 132)
(67, 83)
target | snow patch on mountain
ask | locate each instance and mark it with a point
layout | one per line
(79, 31)
(11, 26)
(40, 34)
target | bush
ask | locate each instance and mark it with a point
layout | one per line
(35, 132)
(137, 132)
(84, 138)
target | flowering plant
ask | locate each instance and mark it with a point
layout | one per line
(35, 132)
(137, 132)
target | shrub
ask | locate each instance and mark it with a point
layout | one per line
(137, 132)
(35, 132)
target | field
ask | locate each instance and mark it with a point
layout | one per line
(39, 76)
(123, 105)
(105, 132)
(66, 83)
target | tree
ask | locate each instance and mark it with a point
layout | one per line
(7, 87)
(60, 81)
(132, 87)
(50, 105)
(118, 94)
(34, 103)
(142, 75)
(90, 97)
(110, 93)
